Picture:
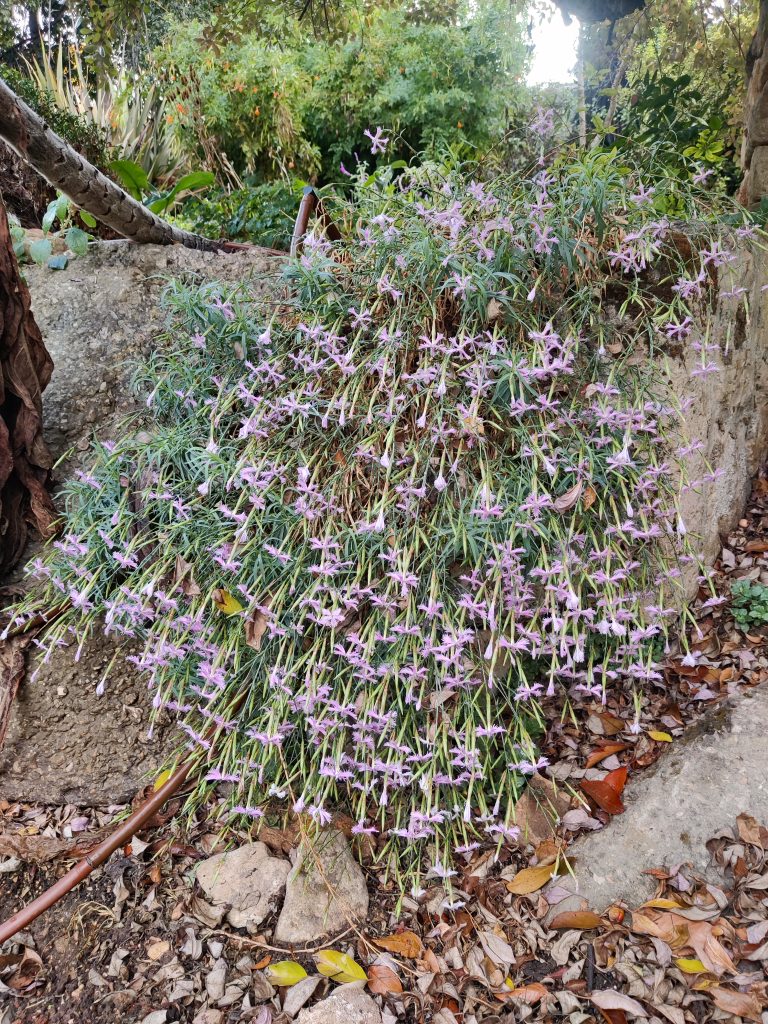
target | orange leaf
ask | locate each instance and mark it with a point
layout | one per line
(617, 779)
(404, 943)
(531, 879)
(529, 994)
(590, 497)
(602, 752)
(606, 798)
(583, 919)
(382, 980)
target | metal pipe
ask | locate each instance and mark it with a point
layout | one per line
(125, 832)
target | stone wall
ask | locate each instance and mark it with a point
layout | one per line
(754, 153)
(729, 409)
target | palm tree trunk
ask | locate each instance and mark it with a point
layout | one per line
(83, 183)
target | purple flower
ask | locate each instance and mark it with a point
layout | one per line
(379, 142)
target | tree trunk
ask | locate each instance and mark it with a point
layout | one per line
(85, 185)
(25, 369)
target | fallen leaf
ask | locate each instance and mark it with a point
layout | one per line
(382, 980)
(690, 966)
(756, 546)
(583, 919)
(740, 1004)
(660, 737)
(617, 779)
(299, 993)
(531, 879)
(751, 831)
(568, 500)
(256, 626)
(590, 497)
(339, 967)
(285, 973)
(404, 943)
(225, 602)
(528, 994)
(606, 798)
(610, 999)
(709, 950)
(601, 753)
(157, 950)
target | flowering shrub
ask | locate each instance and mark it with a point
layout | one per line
(373, 527)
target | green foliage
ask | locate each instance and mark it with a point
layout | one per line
(668, 116)
(136, 183)
(432, 85)
(263, 214)
(302, 105)
(750, 603)
(244, 98)
(77, 129)
(71, 238)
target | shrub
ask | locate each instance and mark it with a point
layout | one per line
(373, 531)
(244, 97)
(76, 129)
(263, 214)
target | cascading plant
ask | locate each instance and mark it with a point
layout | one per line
(381, 525)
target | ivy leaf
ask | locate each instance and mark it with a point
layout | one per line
(40, 251)
(77, 240)
(58, 262)
(88, 219)
(339, 967)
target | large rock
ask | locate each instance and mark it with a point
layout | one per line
(710, 776)
(346, 1005)
(325, 892)
(247, 879)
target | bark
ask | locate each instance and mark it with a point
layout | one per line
(70, 173)
(25, 369)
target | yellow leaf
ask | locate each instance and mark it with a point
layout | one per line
(225, 602)
(339, 967)
(285, 973)
(660, 737)
(662, 904)
(161, 779)
(690, 966)
(530, 879)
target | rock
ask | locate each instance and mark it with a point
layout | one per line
(322, 899)
(715, 772)
(247, 879)
(345, 1005)
(299, 993)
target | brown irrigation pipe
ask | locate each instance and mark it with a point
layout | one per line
(122, 835)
